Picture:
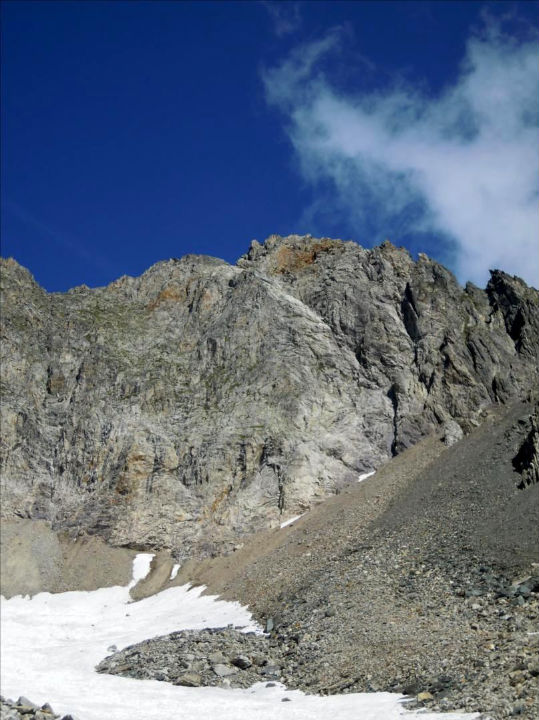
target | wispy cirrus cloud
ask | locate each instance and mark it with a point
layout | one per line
(285, 16)
(462, 164)
(44, 233)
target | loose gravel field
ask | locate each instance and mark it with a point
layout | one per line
(422, 579)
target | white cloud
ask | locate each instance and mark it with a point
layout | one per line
(462, 164)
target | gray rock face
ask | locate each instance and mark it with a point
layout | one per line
(197, 402)
(452, 433)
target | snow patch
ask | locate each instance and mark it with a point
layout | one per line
(141, 567)
(364, 476)
(291, 520)
(174, 571)
(51, 643)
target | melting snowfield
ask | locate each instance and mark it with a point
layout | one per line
(51, 643)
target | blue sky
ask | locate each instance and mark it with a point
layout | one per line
(137, 131)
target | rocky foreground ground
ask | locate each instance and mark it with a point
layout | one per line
(24, 709)
(502, 677)
(423, 580)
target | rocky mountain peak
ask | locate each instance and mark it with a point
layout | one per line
(203, 400)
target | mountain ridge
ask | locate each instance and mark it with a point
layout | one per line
(202, 401)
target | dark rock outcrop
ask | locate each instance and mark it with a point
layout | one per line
(526, 461)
